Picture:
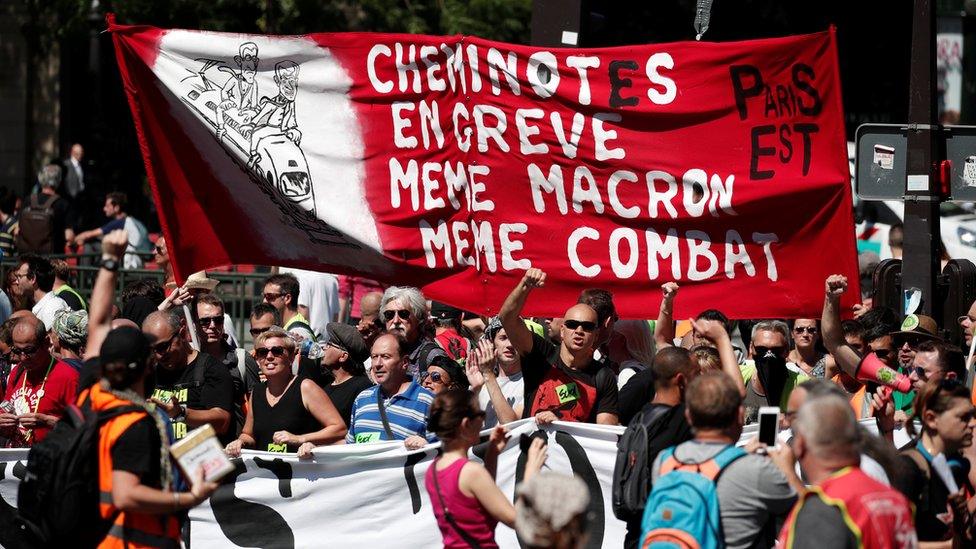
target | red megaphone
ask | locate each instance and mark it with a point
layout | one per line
(874, 370)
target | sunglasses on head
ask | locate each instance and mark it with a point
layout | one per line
(208, 320)
(389, 314)
(587, 325)
(805, 330)
(763, 351)
(276, 351)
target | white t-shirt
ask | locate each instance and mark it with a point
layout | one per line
(513, 388)
(320, 293)
(46, 308)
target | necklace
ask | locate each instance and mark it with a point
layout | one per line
(272, 399)
(29, 433)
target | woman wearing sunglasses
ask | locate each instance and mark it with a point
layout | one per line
(287, 413)
(946, 415)
(467, 503)
(808, 357)
(443, 374)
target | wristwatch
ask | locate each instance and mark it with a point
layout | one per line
(110, 264)
(181, 415)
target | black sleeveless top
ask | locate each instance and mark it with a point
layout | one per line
(289, 414)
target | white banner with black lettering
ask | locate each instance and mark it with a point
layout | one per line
(367, 494)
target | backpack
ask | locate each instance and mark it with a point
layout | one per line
(57, 502)
(632, 471)
(37, 226)
(682, 510)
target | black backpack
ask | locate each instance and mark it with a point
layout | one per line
(57, 502)
(632, 471)
(36, 226)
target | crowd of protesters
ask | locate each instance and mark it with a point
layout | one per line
(351, 361)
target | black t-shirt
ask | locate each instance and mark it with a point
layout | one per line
(573, 395)
(929, 495)
(202, 385)
(242, 386)
(344, 395)
(137, 451)
(635, 394)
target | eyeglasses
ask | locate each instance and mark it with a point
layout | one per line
(23, 351)
(208, 320)
(268, 296)
(920, 373)
(587, 325)
(159, 250)
(255, 332)
(337, 346)
(763, 351)
(902, 341)
(389, 314)
(812, 330)
(275, 351)
(162, 346)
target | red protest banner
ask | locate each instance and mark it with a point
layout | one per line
(456, 163)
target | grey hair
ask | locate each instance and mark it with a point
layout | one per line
(777, 326)
(49, 176)
(172, 317)
(828, 425)
(412, 297)
(818, 387)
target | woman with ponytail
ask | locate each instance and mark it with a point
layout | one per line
(467, 502)
(946, 415)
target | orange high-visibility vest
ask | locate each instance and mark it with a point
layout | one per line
(129, 529)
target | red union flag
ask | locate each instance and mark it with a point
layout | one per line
(455, 163)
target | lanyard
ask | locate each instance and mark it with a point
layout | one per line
(29, 433)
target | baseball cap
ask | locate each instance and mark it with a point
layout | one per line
(443, 311)
(453, 369)
(348, 339)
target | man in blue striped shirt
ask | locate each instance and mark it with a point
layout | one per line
(402, 400)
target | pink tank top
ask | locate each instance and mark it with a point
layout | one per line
(467, 511)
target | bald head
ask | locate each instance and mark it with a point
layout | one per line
(29, 326)
(369, 305)
(829, 430)
(579, 330)
(23, 313)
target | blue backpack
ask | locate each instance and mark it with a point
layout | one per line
(682, 510)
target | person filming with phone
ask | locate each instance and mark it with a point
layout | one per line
(754, 491)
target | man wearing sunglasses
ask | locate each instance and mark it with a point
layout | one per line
(768, 382)
(563, 382)
(404, 309)
(281, 291)
(242, 367)
(39, 388)
(193, 388)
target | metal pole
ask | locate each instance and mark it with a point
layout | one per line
(921, 265)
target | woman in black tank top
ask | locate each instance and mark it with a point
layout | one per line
(287, 413)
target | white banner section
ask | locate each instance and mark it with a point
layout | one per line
(372, 495)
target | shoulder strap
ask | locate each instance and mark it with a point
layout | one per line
(468, 538)
(382, 408)
(117, 411)
(668, 461)
(725, 458)
(919, 459)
